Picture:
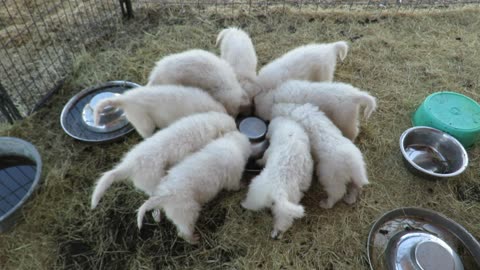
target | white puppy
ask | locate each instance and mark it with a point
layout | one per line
(236, 47)
(287, 174)
(339, 163)
(147, 162)
(197, 180)
(205, 70)
(339, 101)
(314, 62)
(153, 107)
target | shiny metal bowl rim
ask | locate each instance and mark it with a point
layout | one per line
(8, 219)
(75, 98)
(413, 164)
(464, 236)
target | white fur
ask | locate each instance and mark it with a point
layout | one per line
(146, 163)
(339, 163)
(313, 62)
(158, 106)
(205, 70)
(287, 174)
(198, 179)
(236, 47)
(339, 101)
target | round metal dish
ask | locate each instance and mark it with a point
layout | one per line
(420, 239)
(17, 183)
(77, 115)
(111, 118)
(431, 153)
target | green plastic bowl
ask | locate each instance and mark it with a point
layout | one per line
(453, 113)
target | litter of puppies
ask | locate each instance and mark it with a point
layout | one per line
(193, 97)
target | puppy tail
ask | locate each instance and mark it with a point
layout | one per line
(154, 202)
(220, 36)
(283, 207)
(370, 103)
(105, 182)
(101, 105)
(341, 49)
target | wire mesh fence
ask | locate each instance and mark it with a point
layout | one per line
(38, 41)
(39, 38)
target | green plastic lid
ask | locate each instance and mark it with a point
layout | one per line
(458, 111)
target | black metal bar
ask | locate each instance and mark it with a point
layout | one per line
(7, 107)
(126, 6)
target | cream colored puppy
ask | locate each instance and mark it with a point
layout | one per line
(339, 101)
(197, 180)
(313, 62)
(339, 163)
(236, 47)
(205, 70)
(287, 174)
(146, 163)
(158, 106)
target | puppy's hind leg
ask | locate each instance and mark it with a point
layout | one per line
(284, 212)
(156, 214)
(142, 123)
(184, 217)
(256, 198)
(335, 190)
(359, 179)
(353, 192)
(349, 123)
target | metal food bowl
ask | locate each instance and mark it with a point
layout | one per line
(20, 171)
(420, 239)
(77, 117)
(111, 118)
(255, 129)
(431, 153)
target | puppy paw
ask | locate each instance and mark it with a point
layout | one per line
(193, 239)
(349, 199)
(326, 204)
(260, 162)
(248, 206)
(156, 214)
(276, 234)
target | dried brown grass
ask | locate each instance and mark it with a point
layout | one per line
(399, 57)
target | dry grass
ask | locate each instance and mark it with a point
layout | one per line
(400, 58)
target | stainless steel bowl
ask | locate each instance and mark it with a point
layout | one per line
(17, 183)
(110, 118)
(431, 153)
(420, 239)
(77, 115)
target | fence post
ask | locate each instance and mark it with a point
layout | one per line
(126, 6)
(7, 108)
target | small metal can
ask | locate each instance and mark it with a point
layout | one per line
(255, 129)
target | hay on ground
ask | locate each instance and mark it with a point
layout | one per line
(400, 58)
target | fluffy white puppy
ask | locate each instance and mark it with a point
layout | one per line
(339, 101)
(236, 47)
(339, 163)
(205, 70)
(197, 180)
(153, 107)
(313, 62)
(287, 174)
(146, 163)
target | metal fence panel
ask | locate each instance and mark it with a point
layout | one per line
(39, 38)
